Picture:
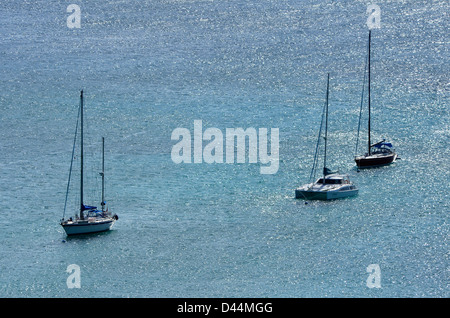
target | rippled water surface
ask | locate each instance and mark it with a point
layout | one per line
(223, 230)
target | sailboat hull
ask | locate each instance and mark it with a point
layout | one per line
(375, 160)
(86, 227)
(324, 195)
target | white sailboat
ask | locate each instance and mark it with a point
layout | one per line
(331, 185)
(89, 219)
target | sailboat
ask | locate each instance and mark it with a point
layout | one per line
(331, 185)
(89, 219)
(378, 154)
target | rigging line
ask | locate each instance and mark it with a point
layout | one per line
(318, 141)
(362, 100)
(313, 171)
(71, 161)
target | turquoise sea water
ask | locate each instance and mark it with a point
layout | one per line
(224, 230)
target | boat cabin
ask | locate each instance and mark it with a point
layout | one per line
(333, 179)
(382, 147)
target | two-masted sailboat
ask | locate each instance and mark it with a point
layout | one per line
(331, 185)
(378, 154)
(89, 219)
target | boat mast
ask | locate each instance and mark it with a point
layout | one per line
(81, 173)
(103, 174)
(369, 92)
(326, 130)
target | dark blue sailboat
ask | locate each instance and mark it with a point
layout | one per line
(378, 154)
